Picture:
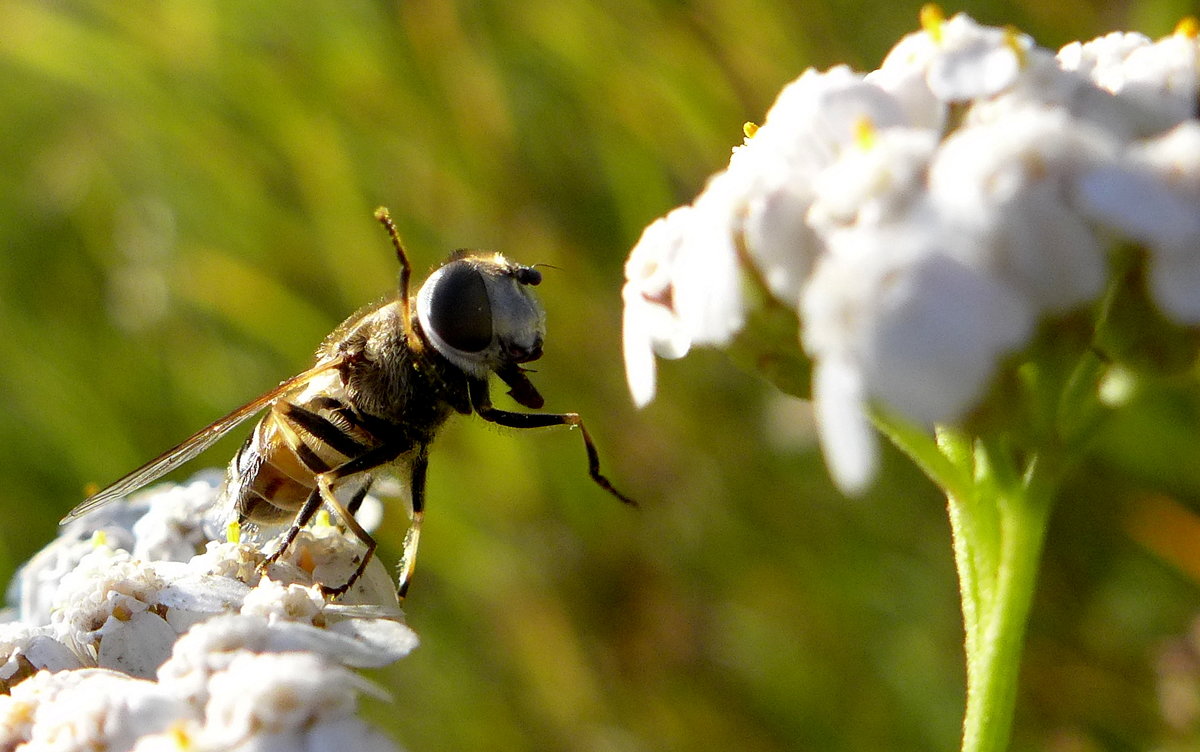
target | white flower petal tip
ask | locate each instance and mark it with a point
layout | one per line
(847, 437)
(651, 325)
(641, 373)
(386, 641)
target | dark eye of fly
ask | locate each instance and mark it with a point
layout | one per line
(459, 309)
(527, 275)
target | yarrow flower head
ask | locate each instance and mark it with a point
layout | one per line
(192, 647)
(928, 221)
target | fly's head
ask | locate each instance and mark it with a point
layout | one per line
(479, 312)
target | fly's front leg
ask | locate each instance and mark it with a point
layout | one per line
(483, 406)
(412, 538)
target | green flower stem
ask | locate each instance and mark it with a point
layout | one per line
(998, 566)
(998, 516)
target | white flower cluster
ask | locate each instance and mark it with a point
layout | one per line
(132, 632)
(922, 219)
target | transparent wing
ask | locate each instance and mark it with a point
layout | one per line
(193, 445)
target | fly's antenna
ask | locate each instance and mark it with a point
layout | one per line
(385, 218)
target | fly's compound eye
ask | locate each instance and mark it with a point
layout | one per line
(460, 311)
(527, 275)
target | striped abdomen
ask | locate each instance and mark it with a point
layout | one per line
(275, 471)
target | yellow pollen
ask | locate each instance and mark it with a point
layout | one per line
(1012, 40)
(749, 129)
(179, 735)
(99, 539)
(932, 17)
(233, 532)
(864, 133)
(20, 712)
(1188, 27)
(323, 519)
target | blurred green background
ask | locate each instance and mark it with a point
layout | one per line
(186, 191)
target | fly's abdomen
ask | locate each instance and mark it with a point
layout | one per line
(275, 471)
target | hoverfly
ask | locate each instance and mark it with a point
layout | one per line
(383, 383)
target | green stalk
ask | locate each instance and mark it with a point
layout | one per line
(996, 602)
(998, 518)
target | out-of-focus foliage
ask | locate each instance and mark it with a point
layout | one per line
(185, 208)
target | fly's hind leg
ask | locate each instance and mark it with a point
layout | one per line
(325, 488)
(307, 510)
(357, 499)
(323, 495)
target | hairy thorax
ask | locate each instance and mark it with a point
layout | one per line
(397, 380)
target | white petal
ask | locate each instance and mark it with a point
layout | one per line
(651, 324)
(286, 636)
(46, 652)
(386, 641)
(137, 646)
(205, 593)
(277, 601)
(847, 436)
(980, 67)
(1140, 205)
(780, 242)
(1055, 257)
(938, 333)
(1009, 186)
(640, 369)
(706, 282)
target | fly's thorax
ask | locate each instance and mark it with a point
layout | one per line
(384, 377)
